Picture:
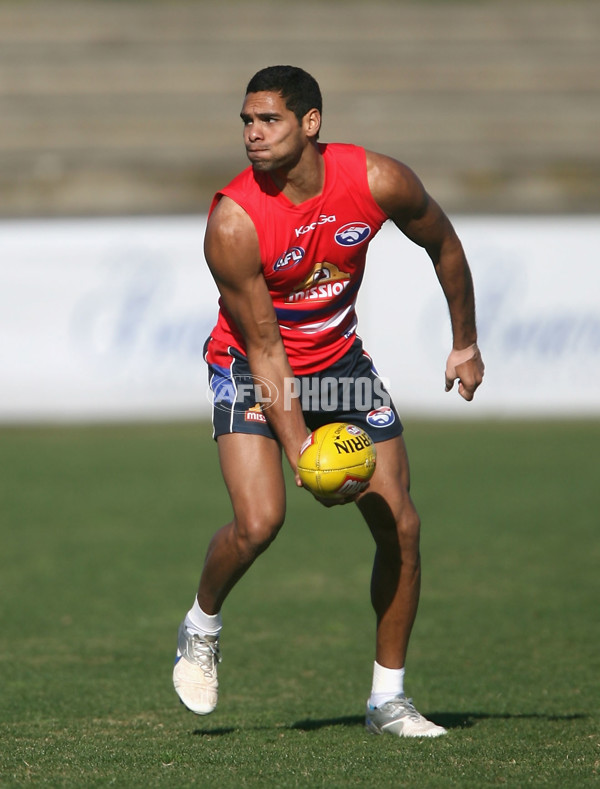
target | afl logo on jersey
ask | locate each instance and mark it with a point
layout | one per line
(381, 417)
(352, 234)
(289, 259)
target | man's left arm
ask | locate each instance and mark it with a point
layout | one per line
(399, 192)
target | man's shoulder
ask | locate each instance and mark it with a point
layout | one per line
(342, 151)
(395, 187)
(230, 231)
(243, 181)
(242, 189)
(346, 165)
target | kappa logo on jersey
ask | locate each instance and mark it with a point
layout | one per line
(323, 283)
(381, 417)
(322, 220)
(352, 234)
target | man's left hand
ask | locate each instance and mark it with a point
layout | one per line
(466, 365)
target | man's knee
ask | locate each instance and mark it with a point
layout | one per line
(408, 527)
(399, 536)
(255, 531)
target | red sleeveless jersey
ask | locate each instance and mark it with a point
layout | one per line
(313, 257)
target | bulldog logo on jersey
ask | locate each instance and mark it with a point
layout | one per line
(352, 234)
(324, 282)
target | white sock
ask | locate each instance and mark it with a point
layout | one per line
(387, 684)
(204, 624)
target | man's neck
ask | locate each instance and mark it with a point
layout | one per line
(305, 179)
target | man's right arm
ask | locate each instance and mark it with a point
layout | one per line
(232, 252)
(399, 192)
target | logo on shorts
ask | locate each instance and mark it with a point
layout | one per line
(289, 259)
(381, 417)
(255, 414)
(352, 234)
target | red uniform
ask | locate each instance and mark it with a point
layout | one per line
(313, 257)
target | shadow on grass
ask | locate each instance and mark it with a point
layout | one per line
(465, 720)
(311, 725)
(307, 725)
(220, 732)
(449, 720)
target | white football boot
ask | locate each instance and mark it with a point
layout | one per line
(195, 671)
(400, 717)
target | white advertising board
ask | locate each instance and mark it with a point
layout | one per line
(106, 319)
(537, 284)
(103, 319)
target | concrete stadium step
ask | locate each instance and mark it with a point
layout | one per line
(115, 106)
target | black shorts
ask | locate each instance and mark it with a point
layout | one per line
(348, 391)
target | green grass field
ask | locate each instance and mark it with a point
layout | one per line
(103, 534)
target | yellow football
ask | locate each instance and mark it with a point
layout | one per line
(337, 461)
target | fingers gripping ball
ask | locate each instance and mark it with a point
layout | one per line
(337, 461)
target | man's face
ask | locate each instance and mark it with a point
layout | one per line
(272, 134)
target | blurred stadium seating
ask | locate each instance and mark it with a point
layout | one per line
(110, 107)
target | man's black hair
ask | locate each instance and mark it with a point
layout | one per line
(299, 90)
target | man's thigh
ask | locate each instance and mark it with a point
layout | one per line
(252, 470)
(386, 504)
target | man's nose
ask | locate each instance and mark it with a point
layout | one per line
(253, 133)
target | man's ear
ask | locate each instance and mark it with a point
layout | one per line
(312, 123)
